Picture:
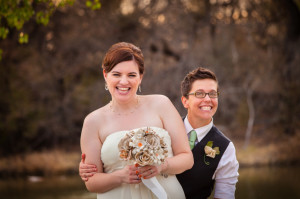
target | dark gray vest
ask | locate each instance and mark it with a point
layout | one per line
(197, 182)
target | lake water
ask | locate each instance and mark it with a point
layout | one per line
(254, 183)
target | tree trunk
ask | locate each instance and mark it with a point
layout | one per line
(251, 117)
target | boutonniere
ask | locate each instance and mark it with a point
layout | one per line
(210, 152)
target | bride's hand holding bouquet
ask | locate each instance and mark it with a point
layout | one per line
(146, 150)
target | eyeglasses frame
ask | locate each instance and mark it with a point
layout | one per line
(194, 93)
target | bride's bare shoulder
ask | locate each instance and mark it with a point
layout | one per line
(157, 100)
(96, 116)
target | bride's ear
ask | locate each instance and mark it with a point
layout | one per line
(104, 74)
(141, 78)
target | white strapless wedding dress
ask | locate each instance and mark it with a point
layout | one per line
(111, 162)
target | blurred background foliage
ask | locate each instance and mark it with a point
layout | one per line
(51, 76)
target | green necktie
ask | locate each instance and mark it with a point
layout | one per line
(193, 137)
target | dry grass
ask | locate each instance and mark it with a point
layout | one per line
(280, 151)
(41, 163)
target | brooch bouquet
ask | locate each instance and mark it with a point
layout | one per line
(145, 147)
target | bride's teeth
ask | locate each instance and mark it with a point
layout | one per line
(206, 108)
(123, 89)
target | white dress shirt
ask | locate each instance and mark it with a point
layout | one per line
(226, 174)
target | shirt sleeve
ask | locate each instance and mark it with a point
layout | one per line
(226, 174)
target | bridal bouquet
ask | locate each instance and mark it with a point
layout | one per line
(145, 147)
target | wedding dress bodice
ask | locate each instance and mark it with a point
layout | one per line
(110, 152)
(112, 162)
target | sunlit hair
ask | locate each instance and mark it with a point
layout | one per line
(197, 74)
(120, 52)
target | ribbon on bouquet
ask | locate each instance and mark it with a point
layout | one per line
(155, 187)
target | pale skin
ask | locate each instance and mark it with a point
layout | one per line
(126, 112)
(201, 110)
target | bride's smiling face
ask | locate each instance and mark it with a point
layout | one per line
(123, 80)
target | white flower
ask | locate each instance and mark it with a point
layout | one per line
(210, 152)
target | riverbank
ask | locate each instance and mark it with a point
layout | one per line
(269, 151)
(277, 152)
(46, 163)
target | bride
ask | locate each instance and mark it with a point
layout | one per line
(123, 69)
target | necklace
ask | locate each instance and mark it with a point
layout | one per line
(130, 112)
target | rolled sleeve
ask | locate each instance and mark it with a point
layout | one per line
(226, 175)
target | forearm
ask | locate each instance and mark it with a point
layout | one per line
(178, 164)
(103, 182)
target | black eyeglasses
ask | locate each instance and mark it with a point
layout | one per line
(201, 94)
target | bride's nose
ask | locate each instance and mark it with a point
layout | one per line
(123, 80)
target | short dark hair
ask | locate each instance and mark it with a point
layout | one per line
(191, 77)
(120, 52)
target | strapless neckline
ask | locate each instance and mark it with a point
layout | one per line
(152, 127)
(111, 162)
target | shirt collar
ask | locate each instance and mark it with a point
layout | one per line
(201, 132)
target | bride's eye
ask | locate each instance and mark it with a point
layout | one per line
(132, 75)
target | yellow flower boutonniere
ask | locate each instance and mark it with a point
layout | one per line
(210, 152)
